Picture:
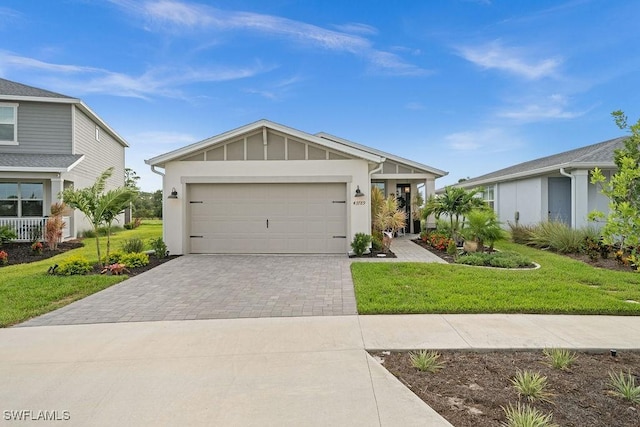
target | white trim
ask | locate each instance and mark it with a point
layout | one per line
(399, 176)
(393, 157)
(532, 173)
(15, 123)
(238, 132)
(265, 179)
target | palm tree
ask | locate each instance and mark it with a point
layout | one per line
(456, 203)
(99, 207)
(482, 226)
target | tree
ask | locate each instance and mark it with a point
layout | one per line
(99, 207)
(455, 203)
(131, 179)
(482, 226)
(623, 190)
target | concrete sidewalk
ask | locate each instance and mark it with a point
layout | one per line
(269, 372)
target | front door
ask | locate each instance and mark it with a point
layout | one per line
(403, 193)
(560, 200)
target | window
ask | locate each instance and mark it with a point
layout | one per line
(97, 133)
(8, 125)
(21, 199)
(488, 195)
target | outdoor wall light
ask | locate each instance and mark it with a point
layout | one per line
(358, 192)
(174, 194)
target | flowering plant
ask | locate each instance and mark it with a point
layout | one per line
(37, 247)
(4, 257)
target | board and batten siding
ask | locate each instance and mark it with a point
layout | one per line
(42, 129)
(99, 155)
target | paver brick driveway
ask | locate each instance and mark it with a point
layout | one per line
(219, 287)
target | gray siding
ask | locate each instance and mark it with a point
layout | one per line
(99, 155)
(42, 128)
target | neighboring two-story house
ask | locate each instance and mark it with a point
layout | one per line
(50, 142)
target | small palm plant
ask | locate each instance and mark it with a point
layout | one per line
(426, 361)
(560, 358)
(526, 416)
(625, 386)
(482, 226)
(531, 385)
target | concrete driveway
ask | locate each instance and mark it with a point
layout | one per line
(220, 287)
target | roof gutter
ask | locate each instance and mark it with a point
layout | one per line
(154, 170)
(573, 195)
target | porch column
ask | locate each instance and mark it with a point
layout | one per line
(430, 190)
(57, 185)
(580, 202)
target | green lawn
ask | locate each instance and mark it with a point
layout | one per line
(561, 286)
(26, 290)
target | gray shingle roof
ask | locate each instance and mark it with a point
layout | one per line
(9, 88)
(38, 161)
(590, 156)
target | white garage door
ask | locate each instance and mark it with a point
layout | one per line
(267, 218)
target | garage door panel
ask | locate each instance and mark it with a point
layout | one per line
(232, 218)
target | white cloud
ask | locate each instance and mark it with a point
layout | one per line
(550, 108)
(357, 28)
(159, 81)
(485, 140)
(189, 17)
(512, 60)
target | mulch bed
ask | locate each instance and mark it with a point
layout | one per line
(21, 253)
(374, 254)
(470, 390)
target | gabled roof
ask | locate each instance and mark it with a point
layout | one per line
(209, 142)
(39, 162)
(596, 155)
(9, 88)
(389, 156)
(14, 91)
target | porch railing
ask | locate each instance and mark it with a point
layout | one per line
(27, 229)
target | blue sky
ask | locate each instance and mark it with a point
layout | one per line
(461, 85)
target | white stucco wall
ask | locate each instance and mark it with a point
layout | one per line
(179, 174)
(523, 196)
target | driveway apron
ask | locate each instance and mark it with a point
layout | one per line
(220, 287)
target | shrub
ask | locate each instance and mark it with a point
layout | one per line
(452, 248)
(53, 231)
(438, 241)
(376, 242)
(495, 259)
(557, 236)
(133, 260)
(531, 385)
(113, 258)
(88, 234)
(7, 234)
(526, 416)
(521, 233)
(128, 226)
(426, 361)
(74, 265)
(159, 247)
(4, 257)
(625, 386)
(560, 358)
(134, 245)
(360, 243)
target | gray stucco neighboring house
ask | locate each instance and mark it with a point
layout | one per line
(555, 187)
(49, 142)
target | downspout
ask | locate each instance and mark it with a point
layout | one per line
(573, 195)
(371, 172)
(154, 170)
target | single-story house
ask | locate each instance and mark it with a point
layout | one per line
(269, 188)
(556, 187)
(50, 142)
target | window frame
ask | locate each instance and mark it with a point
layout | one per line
(490, 201)
(21, 199)
(98, 132)
(14, 106)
